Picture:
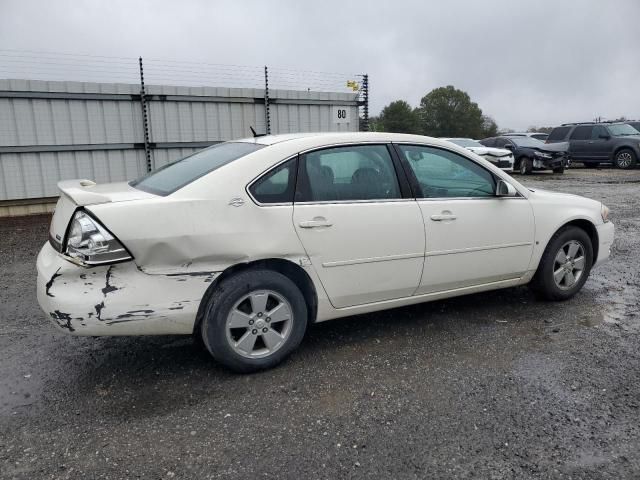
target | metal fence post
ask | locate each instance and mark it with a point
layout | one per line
(145, 120)
(365, 102)
(267, 115)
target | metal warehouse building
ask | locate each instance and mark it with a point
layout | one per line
(109, 132)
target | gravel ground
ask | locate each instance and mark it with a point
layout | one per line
(494, 385)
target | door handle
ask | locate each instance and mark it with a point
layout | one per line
(315, 223)
(443, 217)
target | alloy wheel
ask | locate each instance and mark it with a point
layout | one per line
(624, 159)
(259, 324)
(569, 264)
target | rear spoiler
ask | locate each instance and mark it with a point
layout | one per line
(79, 191)
(86, 192)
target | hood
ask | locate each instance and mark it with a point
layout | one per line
(558, 196)
(553, 147)
(494, 152)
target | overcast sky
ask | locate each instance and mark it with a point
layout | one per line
(524, 63)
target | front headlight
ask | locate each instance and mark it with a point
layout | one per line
(604, 211)
(91, 243)
(542, 154)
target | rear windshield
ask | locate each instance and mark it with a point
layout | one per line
(176, 175)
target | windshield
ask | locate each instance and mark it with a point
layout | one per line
(622, 129)
(465, 142)
(526, 142)
(175, 175)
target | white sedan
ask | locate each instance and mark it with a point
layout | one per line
(247, 242)
(500, 157)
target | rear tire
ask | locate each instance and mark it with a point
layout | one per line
(254, 320)
(565, 264)
(625, 159)
(526, 166)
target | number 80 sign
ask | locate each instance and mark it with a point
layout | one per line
(340, 114)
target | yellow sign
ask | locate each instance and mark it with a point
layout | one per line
(353, 85)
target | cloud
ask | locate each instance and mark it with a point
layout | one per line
(525, 63)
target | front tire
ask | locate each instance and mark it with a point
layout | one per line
(526, 166)
(625, 159)
(254, 320)
(558, 170)
(565, 264)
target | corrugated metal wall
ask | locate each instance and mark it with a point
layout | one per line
(51, 131)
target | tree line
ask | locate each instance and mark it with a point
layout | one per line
(443, 112)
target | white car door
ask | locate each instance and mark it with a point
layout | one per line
(359, 224)
(473, 237)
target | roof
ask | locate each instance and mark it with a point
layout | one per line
(604, 122)
(340, 137)
(288, 144)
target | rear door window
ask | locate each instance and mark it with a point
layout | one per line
(597, 131)
(582, 133)
(488, 142)
(276, 186)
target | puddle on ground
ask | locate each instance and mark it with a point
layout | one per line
(620, 308)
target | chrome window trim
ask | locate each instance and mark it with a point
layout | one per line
(343, 202)
(382, 200)
(440, 199)
(346, 144)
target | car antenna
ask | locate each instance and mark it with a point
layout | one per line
(256, 135)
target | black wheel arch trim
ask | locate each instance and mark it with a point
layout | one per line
(289, 269)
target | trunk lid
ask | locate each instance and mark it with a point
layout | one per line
(78, 193)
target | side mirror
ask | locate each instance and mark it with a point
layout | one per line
(505, 189)
(604, 137)
(508, 146)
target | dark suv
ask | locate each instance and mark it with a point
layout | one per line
(595, 143)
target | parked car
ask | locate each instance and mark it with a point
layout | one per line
(595, 143)
(500, 157)
(537, 135)
(247, 242)
(531, 154)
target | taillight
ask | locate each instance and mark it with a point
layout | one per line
(91, 243)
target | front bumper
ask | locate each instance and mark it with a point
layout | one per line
(541, 163)
(504, 163)
(605, 242)
(117, 299)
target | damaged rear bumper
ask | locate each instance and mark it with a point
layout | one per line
(117, 299)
